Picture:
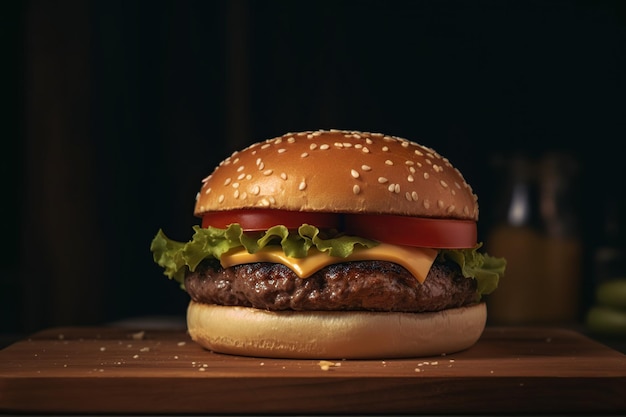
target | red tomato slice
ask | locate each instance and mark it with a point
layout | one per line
(413, 231)
(263, 219)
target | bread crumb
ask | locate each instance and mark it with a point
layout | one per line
(102, 349)
(181, 343)
(418, 370)
(144, 349)
(201, 369)
(326, 365)
(135, 356)
(139, 335)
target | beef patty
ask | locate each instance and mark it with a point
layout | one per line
(359, 285)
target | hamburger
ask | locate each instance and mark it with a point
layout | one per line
(333, 244)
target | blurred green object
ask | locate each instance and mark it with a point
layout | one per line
(608, 316)
(612, 293)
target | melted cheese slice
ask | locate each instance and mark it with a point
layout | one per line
(416, 260)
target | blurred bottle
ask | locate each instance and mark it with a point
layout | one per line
(537, 231)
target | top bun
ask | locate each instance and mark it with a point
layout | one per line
(342, 172)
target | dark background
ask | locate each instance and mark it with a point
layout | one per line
(114, 110)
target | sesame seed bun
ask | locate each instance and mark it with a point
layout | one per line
(334, 334)
(339, 171)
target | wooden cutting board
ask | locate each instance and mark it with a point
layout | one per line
(114, 370)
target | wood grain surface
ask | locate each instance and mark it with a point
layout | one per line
(115, 370)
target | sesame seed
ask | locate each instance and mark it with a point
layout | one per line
(437, 168)
(207, 191)
(410, 178)
(414, 195)
(309, 136)
(443, 183)
(265, 146)
(244, 195)
(248, 177)
(388, 162)
(258, 161)
(283, 175)
(440, 203)
(278, 141)
(282, 150)
(324, 146)
(428, 161)
(261, 166)
(313, 146)
(407, 195)
(391, 187)
(426, 175)
(354, 173)
(364, 149)
(356, 189)
(272, 199)
(235, 185)
(227, 181)
(291, 140)
(385, 148)
(396, 189)
(241, 176)
(456, 184)
(236, 194)
(426, 204)
(418, 153)
(304, 154)
(451, 208)
(409, 163)
(368, 141)
(220, 199)
(465, 210)
(302, 186)
(264, 202)
(241, 168)
(382, 180)
(405, 144)
(256, 190)
(366, 167)
(358, 146)
(347, 145)
(268, 172)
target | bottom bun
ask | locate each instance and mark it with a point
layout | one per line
(334, 334)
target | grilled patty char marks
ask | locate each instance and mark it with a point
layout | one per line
(359, 285)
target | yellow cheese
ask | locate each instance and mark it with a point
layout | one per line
(416, 260)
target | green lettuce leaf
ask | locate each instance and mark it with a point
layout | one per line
(486, 269)
(178, 257)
